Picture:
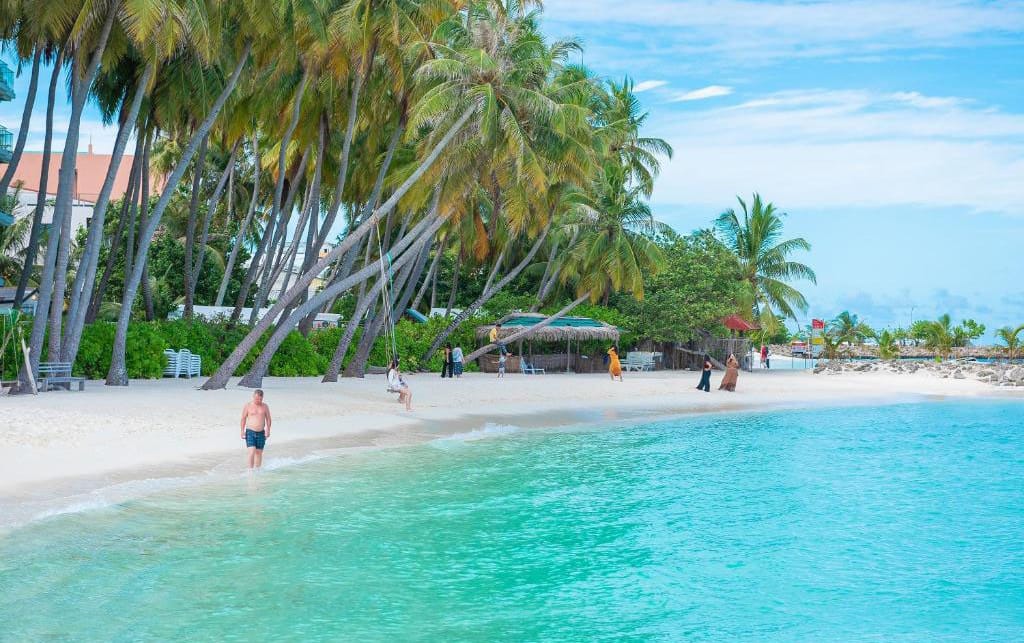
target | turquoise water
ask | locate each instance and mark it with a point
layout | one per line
(900, 522)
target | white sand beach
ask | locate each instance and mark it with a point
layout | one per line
(60, 443)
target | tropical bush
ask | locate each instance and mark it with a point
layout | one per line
(144, 351)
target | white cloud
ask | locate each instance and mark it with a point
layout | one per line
(646, 85)
(711, 91)
(757, 32)
(848, 148)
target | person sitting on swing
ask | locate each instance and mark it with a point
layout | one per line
(396, 384)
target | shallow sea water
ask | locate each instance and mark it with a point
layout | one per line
(897, 522)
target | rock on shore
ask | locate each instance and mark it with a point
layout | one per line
(991, 373)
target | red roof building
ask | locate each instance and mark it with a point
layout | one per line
(737, 323)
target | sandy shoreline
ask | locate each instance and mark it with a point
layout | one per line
(61, 447)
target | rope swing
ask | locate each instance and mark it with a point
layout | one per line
(386, 279)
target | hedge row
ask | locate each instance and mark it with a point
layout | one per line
(214, 341)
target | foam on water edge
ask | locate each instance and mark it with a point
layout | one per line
(489, 430)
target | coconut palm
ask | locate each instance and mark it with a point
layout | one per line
(888, 348)
(755, 236)
(849, 329)
(1010, 337)
(939, 335)
(13, 242)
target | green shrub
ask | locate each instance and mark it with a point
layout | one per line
(144, 351)
(213, 341)
(296, 357)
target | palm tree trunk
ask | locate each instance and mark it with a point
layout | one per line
(198, 169)
(143, 219)
(128, 202)
(211, 208)
(350, 330)
(51, 283)
(526, 332)
(272, 234)
(118, 373)
(430, 273)
(59, 283)
(346, 148)
(357, 366)
(220, 378)
(455, 282)
(81, 290)
(275, 210)
(229, 268)
(484, 297)
(408, 246)
(348, 260)
(494, 269)
(433, 290)
(309, 209)
(26, 119)
(37, 220)
(402, 304)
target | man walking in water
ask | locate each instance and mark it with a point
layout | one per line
(256, 428)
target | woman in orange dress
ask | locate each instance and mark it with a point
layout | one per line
(732, 373)
(614, 367)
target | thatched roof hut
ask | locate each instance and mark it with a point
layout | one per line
(561, 330)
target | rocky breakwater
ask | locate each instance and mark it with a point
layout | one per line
(995, 374)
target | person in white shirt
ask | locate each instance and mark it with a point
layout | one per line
(396, 384)
(457, 361)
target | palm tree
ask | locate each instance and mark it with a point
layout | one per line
(13, 241)
(755, 239)
(849, 329)
(888, 349)
(1011, 339)
(616, 246)
(939, 335)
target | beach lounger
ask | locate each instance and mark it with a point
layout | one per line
(183, 363)
(173, 368)
(529, 369)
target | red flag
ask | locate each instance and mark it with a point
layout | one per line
(818, 324)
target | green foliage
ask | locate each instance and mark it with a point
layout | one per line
(413, 339)
(143, 353)
(297, 357)
(698, 287)
(213, 341)
(507, 301)
(888, 349)
(848, 328)
(1010, 337)
(942, 336)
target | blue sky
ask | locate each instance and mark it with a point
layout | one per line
(891, 132)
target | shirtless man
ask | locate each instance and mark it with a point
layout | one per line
(256, 428)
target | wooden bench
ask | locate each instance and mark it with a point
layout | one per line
(57, 374)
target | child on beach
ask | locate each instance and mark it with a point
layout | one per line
(256, 428)
(501, 364)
